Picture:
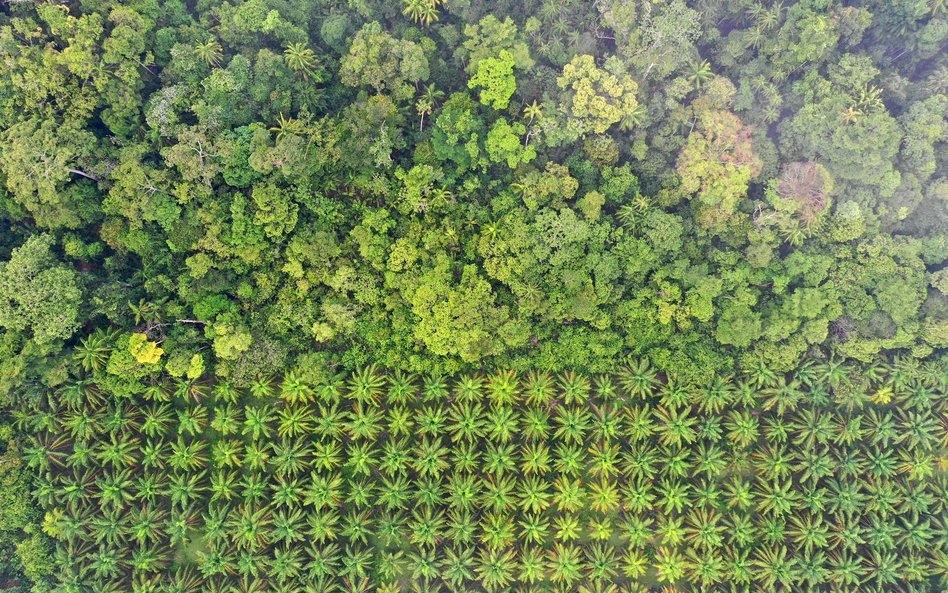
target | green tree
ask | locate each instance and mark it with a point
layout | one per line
(39, 294)
(503, 144)
(458, 134)
(738, 325)
(378, 60)
(594, 99)
(716, 166)
(41, 161)
(495, 79)
(655, 37)
(859, 152)
(491, 35)
(458, 319)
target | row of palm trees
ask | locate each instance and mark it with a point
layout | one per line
(832, 479)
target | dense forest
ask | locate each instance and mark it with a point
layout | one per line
(603, 296)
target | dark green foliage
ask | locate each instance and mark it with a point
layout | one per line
(25, 551)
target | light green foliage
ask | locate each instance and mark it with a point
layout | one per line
(144, 350)
(503, 144)
(124, 373)
(196, 367)
(181, 365)
(551, 187)
(591, 205)
(39, 295)
(460, 319)
(939, 280)
(274, 210)
(570, 263)
(370, 132)
(595, 99)
(125, 53)
(491, 36)
(335, 30)
(230, 339)
(495, 79)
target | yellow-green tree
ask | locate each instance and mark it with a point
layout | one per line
(595, 99)
(496, 80)
(144, 350)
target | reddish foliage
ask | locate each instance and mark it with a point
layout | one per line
(805, 183)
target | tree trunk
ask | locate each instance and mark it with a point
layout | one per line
(84, 174)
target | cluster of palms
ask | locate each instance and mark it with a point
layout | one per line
(422, 11)
(830, 480)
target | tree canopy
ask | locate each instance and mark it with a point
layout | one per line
(245, 239)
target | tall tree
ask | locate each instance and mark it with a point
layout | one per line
(717, 164)
(593, 98)
(41, 160)
(37, 293)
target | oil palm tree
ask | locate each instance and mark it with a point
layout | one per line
(300, 58)
(502, 388)
(458, 565)
(118, 452)
(574, 387)
(210, 52)
(46, 451)
(469, 388)
(365, 386)
(565, 564)
(495, 569)
(536, 424)
(257, 421)
(466, 421)
(361, 459)
(93, 351)
(421, 11)
(249, 527)
(465, 457)
(638, 379)
(773, 567)
(82, 424)
(294, 389)
(538, 388)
